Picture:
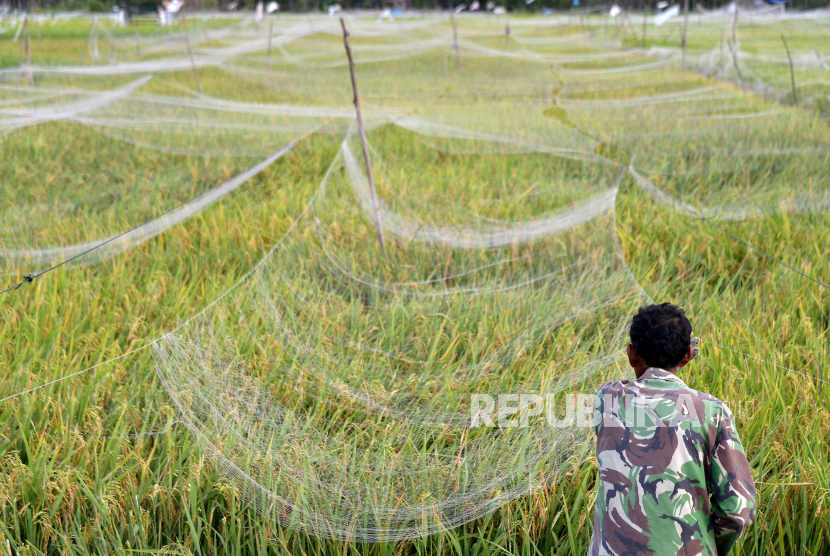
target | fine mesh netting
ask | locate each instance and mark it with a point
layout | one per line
(350, 416)
(334, 384)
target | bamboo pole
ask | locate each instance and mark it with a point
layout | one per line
(685, 28)
(621, 23)
(28, 54)
(111, 39)
(190, 52)
(792, 71)
(821, 61)
(633, 31)
(735, 63)
(270, 34)
(20, 54)
(84, 51)
(455, 36)
(369, 175)
(734, 47)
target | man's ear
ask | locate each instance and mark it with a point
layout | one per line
(686, 358)
(633, 358)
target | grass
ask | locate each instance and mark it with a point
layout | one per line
(100, 464)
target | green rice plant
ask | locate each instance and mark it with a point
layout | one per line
(101, 463)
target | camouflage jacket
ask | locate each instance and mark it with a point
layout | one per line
(673, 477)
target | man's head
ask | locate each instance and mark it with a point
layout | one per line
(660, 337)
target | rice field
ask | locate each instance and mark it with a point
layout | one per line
(512, 170)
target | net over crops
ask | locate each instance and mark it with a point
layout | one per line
(334, 384)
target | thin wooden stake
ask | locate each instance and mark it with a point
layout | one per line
(821, 61)
(95, 39)
(645, 22)
(455, 36)
(622, 24)
(735, 63)
(113, 54)
(507, 34)
(630, 26)
(137, 42)
(190, 53)
(20, 55)
(270, 34)
(720, 66)
(685, 27)
(792, 71)
(370, 176)
(28, 55)
(734, 47)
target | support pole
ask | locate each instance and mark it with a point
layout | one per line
(20, 54)
(111, 39)
(645, 22)
(792, 71)
(633, 31)
(685, 27)
(734, 47)
(86, 50)
(28, 55)
(821, 61)
(369, 175)
(270, 34)
(732, 51)
(190, 53)
(137, 42)
(507, 34)
(95, 39)
(455, 36)
(622, 24)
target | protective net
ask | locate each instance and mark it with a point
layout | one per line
(336, 383)
(350, 417)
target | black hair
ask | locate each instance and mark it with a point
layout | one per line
(661, 334)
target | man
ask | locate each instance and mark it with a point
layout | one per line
(673, 477)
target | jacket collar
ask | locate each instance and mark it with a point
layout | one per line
(660, 374)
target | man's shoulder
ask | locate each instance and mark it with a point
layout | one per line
(715, 405)
(612, 386)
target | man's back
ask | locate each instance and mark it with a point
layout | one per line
(673, 477)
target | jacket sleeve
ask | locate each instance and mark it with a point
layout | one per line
(731, 485)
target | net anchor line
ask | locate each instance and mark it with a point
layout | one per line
(140, 233)
(144, 231)
(155, 341)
